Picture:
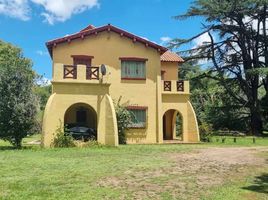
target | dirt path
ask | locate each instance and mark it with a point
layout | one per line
(193, 171)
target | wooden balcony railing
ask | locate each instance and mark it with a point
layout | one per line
(175, 86)
(93, 73)
(180, 86)
(167, 85)
(70, 71)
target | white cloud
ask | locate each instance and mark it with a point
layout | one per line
(42, 53)
(46, 81)
(53, 10)
(43, 81)
(254, 23)
(201, 40)
(61, 10)
(164, 39)
(15, 8)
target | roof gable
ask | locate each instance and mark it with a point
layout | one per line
(91, 30)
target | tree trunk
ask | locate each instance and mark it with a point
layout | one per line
(256, 121)
(18, 143)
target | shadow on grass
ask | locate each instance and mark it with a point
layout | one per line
(7, 148)
(260, 184)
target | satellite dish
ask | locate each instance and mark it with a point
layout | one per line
(103, 69)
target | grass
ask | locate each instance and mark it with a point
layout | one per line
(95, 173)
(252, 186)
(240, 141)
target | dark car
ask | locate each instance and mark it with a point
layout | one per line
(82, 133)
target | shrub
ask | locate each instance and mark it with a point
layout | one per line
(63, 139)
(124, 119)
(88, 144)
(205, 130)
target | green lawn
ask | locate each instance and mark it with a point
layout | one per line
(127, 172)
(240, 141)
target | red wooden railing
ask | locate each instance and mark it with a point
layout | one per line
(180, 86)
(93, 73)
(167, 85)
(70, 71)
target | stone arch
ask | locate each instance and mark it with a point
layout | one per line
(170, 125)
(189, 121)
(81, 114)
(101, 105)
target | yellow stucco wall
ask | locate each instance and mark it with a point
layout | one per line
(67, 95)
(182, 104)
(170, 70)
(107, 48)
(168, 125)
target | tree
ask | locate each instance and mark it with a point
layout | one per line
(18, 104)
(43, 92)
(214, 107)
(237, 51)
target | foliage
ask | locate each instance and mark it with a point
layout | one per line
(264, 103)
(43, 92)
(213, 105)
(124, 119)
(62, 139)
(179, 125)
(88, 144)
(236, 51)
(18, 103)
(205, 131)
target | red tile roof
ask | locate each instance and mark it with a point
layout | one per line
(91, 30)
(169, 56)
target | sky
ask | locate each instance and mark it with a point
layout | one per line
(28, 24)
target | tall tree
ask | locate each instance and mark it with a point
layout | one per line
(213, 105)
(18, 104)
(237, 49)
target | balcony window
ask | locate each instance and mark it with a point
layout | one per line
(82, 60)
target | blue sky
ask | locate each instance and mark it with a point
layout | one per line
(30, 23)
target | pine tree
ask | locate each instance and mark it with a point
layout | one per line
(237, 49)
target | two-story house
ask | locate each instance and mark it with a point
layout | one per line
(97, 66)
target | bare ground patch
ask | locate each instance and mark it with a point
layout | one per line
(195, 171)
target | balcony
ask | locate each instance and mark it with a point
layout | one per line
(175, 87)
(70, 71)
(78, 74)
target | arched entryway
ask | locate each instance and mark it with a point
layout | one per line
(172, 125)
(81, 117)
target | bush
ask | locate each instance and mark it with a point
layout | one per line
(206, 133)
(88, 144)
(124, 119)
(63, 139)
